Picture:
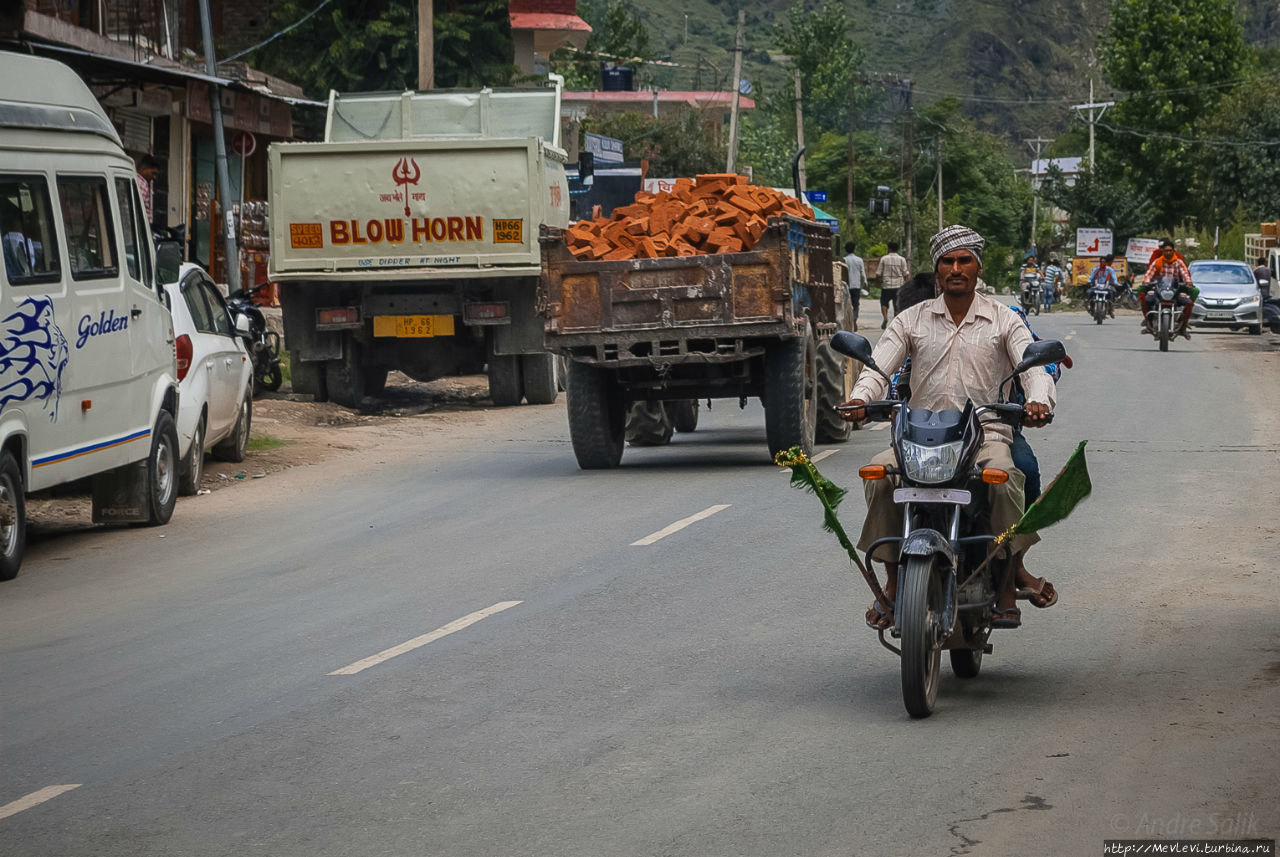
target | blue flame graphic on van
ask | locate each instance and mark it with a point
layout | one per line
(33, 354)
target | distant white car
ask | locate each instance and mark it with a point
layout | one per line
(215, 375)
(1229, 295)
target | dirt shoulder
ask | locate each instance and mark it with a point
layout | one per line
(290, 430)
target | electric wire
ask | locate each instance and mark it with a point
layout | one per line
(277, 35)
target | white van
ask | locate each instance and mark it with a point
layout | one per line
(87, 374)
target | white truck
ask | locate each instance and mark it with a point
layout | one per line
(408, 239)
(1264, 245)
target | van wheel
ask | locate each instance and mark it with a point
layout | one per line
(13, 517)
(193, 466)
(162, 471)
(236, 447)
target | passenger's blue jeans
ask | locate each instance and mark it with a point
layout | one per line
(1025, 460)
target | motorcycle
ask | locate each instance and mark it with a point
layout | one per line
(1030, 297)
(1099, 299)
(1162, 319)
(263, 344)
(947, 585)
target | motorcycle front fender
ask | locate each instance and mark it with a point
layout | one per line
(925, 542)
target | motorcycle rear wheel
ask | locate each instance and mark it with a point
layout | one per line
(966, 663)
(919, 610)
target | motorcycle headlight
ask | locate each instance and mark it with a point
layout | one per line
(1166, 294)
(931, 464)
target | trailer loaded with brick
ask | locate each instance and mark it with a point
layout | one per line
(718, 290)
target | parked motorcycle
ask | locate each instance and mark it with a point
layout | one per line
(947, 585)
(1029, 282)
(264, 344)
(1098, 299)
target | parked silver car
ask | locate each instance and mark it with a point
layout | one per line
(1229, 295)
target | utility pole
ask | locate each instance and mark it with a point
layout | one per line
(800, 134)
(426, 45)
(910, 156)
(737, 94)
(1035, 197)
(938, 149)
(220, 156)
(1101, 107)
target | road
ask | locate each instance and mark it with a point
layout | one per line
(456, 643)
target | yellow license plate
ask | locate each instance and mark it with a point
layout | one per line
(412, 326)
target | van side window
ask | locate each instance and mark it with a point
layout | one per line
(128, 229)
(86, 213)
(27, 231)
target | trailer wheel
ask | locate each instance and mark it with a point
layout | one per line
(791, 396)
(597, 416)
(649, 424)
(684, 414)
(345, 377)
(836, 377)
(539, 378)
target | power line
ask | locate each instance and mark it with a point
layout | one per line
(1198, 141)
(275, 36)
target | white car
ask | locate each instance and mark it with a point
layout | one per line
(215, 375)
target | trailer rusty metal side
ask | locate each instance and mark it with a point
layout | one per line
(646, 339)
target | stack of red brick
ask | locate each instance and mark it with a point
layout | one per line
(717, 213)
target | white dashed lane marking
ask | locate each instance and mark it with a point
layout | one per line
(35, 799)
(419, 642)
(679, 525)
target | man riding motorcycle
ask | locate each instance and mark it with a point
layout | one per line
(1105, 275)
(962, 344)
(1168, 263)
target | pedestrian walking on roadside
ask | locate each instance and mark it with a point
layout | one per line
(1051, 285)
(1263, 275)
(891, 273)
(857, 278)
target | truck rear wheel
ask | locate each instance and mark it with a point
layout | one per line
(791, 396)
(506, 384)
(836, 377)
(649, 424)
(539, 378)
(345, 378)
(597, 417)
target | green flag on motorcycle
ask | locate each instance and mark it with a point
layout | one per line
(1057, 501)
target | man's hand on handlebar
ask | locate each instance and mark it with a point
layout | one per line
(1036, 414)
(853, 411)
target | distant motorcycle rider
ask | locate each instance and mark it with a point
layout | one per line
(1168, 263)
(1105, 275)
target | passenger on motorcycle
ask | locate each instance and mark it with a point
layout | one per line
(1105, 275)
(1168, 263)
(962, 344)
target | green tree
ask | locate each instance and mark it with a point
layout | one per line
(363, 45)
(1175, 58)
(618, 33)
(1096, 202)
(1242, 175)
(678, 143)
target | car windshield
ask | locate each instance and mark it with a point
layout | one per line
(1236, 275)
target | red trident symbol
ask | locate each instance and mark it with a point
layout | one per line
(406, 173)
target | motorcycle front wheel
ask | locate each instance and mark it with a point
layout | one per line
(1166, 322)
(920, 612)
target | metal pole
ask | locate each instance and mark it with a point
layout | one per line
(220, 154)
(911, 173)
(425, 45)
(939, 152)
(737, 90)
(1090, 124)
(800, 140)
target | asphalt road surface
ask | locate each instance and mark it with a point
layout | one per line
(456, 643)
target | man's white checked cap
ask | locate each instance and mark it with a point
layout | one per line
(956, 238)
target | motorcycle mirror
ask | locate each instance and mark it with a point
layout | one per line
(1041, 353)
(243, 327)
(857, 346)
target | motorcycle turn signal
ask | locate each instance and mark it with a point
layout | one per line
(992, 476)
(873, 471)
